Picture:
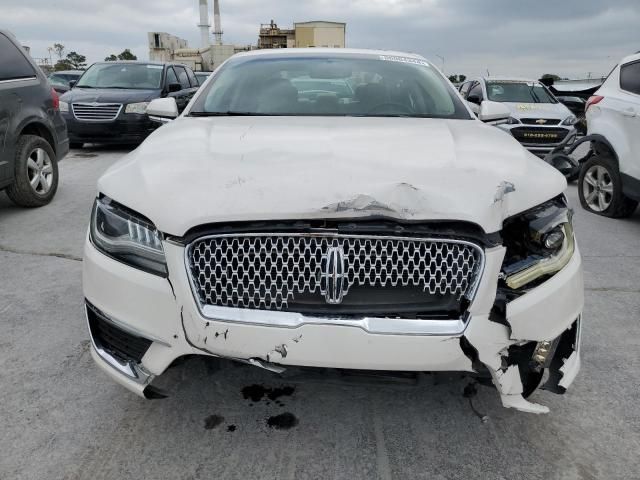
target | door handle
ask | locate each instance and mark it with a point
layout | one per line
(629, 112)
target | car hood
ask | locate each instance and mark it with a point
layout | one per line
(196, 171)
(109, 95)
(538, 110)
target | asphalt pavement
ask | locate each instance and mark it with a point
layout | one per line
(61, 418)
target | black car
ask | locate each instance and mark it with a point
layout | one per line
(63, 80)
(577, 106)
(108, 104)
(33, 135)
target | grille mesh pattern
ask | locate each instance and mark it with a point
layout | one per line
(267, 271)
(96, 112)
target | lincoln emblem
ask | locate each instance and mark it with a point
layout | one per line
(334, 275)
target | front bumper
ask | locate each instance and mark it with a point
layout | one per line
(125, 129)
(164, 311)
(543, 148)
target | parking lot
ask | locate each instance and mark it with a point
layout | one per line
(61, 417)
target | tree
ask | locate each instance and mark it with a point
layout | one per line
(457, 78)
(59, 49)
(63, 65)
(127, 55)
(552, 76)
(77, 61)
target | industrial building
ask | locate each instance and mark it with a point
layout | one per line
(303, 35)
(164, 47)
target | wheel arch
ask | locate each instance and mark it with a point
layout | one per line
(599, 146)
(41, 130)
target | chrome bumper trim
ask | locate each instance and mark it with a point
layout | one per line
(133, 370)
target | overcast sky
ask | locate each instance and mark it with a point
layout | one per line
(518, 37)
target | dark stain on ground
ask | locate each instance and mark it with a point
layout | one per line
(255, 393)
(84, 155)
(284, 421)
(212, 421)
(231, 428)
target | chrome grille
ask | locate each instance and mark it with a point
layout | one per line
(96, 112)
(267, 271)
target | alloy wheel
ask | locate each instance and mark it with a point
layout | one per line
(597, 188)
(40, 171)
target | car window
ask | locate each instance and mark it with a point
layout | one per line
(13, 64)
(122, 75)
(476, 91)
(630, 77)
(58, 80)
(192, 78)
(338, 85)
(517, 91)
(183, 79)
(171, 77)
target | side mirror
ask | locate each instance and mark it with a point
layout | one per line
(493, 112)
(174, 87)
(72, 83)
(474, 99)
(162, 110)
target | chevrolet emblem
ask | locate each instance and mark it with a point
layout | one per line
(541, 121)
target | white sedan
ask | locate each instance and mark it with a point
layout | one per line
(380, 226)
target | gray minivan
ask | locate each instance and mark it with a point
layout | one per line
(33, 134)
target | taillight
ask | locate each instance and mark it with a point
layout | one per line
(592, 101)
(56, 99)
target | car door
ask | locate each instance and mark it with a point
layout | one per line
(629, 111)
(183, 96)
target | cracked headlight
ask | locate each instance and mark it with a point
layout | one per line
(127, 237)
(540, 242)
(139, 108)
(571, 120)
(513, 121)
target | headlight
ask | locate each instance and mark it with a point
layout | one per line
(64, 107)
(127, 237)
(539, 243)
(570, 120)
(513, 121)
(139, 108)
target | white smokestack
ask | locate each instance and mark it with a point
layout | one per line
(204, 24)
(217, 28)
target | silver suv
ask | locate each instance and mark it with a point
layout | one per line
(538, 120)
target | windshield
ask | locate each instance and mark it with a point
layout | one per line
(122, 75)
(518, 92)
(340, 85)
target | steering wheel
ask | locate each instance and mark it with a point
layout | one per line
(383, 106)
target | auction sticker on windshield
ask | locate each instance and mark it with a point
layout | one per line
(394, 58)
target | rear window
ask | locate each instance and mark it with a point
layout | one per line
(13, 64)
(630, 77)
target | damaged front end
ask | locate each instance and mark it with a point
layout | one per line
(539, 302)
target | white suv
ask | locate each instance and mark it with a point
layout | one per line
(610, 178)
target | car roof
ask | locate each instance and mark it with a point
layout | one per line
(630, 58)
(139, 62)
(68, 72)
(509, 79)
(285, 52)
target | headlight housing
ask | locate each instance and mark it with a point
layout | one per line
(127, 237)
(513, 121)
(139, 108)
(540, 242)
(570, 120)
(64, 107)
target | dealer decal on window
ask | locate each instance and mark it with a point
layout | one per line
(393, 58)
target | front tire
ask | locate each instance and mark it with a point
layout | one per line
(36, 173)
(600, 189)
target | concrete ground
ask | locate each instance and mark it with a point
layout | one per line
(61, 418)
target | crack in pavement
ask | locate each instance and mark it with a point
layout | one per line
(64, 256)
